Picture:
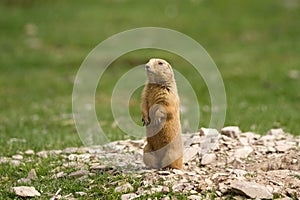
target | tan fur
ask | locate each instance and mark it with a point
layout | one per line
(160, 110)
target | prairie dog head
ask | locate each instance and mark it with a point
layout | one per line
(159, 71)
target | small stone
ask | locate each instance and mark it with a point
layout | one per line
(24, 191)
(194, 197)
(231, 131)
(238, 172)
(127, 187)
(32, 175)
(72, 157)
(17, 157)
(252, 189)
(129, 196)
(244, 141)
(42, 154)
(80, 193)
(29, 152)
(267, 140)
(4, 160)
(252, 137)
(208, 132)
(15, 162)
(178, 187)
(276, 132)
(79, 173)
(59, 175)
(208, 158)
(177, 171)
(218, 175)
(271, 149)
(165, 198)
(190, 153)
(243, 152)
(70, 150)
(156, 189)
(193, 192)
(165, 190)
(283, 146)
(24, 180)
(55, 152)
(163, 173)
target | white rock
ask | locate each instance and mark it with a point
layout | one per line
(24, 180)
(15, 162)
(190, 153)
(129, 196)
(251, 136)
(24, 191)
(178, 187)
(283, 146)
(231, 131)
(208, 131)
(243, 152)
(165, 189)
(79, 173)
(156, 189)
(42, 154)
(32, 175)
(252, 189)
(55, 152)
(124, 188)
(194, 197)
(276, 132)
(17, 157)
(208, 158)
(177, 171)
(59, 175)
(244, 141)
(163, 172)
(29, 152)
(70, 150)
(266, 140)
(4, 160)
(81, 193)
(238, 172)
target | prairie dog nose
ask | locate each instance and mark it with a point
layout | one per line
(147, 66)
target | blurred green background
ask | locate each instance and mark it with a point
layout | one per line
(255, 44)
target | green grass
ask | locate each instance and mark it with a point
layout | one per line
(253, 43)
(98, 186)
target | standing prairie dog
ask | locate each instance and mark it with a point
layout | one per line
(160, 110)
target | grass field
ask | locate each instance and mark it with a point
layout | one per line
(255, 45)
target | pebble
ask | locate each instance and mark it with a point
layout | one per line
(190, 153)
(128, 196)
(194, 197)
(29, 152)
(17, 157)
(25, 191)
(32, 175)
(127, 187)
(42, 154)
(231, 131)
(79, 173)
(243, 152)
(252, 189)
(208, 158)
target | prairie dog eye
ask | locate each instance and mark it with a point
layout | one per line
(160, 63)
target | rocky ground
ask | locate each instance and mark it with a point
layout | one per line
(227, 164)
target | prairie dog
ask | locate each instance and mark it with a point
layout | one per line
(160, 114)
